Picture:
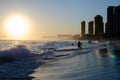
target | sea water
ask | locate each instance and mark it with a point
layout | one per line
(57, 60)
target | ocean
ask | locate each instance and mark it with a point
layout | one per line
(58, 60)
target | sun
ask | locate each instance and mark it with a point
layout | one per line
(17, 26)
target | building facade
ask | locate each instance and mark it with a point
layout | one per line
(82, 28)
(90, 28)
(113, 20)
(99, 25)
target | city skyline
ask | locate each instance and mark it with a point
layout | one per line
(52, 17)
(97, 29)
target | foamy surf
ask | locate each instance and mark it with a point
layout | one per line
(25, 60)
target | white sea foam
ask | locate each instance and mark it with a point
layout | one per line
(28, 56)
(46, 50)
(19, 51)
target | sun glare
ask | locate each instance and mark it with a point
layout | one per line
(16, 26)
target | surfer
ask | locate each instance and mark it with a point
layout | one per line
(79, 44)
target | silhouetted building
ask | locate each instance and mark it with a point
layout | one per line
(99, 25)
(83, 28)
(106, 28)
(90, 28)
(113, 20)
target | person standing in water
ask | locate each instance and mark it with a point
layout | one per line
(79, 44)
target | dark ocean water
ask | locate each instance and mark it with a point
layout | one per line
(58, 60)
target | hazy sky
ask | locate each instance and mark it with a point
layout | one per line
(52, 17)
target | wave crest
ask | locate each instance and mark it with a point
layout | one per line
(16, 52)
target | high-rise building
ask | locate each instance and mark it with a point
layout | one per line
(90, 28)
(110, 20)
(82, 28)
(99, 30)
(106, 28)
(113, 20)
(117, 20)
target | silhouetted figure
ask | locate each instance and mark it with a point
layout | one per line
(89, 41)
(79, 45)
(72, 44)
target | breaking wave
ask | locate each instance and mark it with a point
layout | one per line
(19, 61)
(13, 53)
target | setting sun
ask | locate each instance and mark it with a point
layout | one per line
(16, 26)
